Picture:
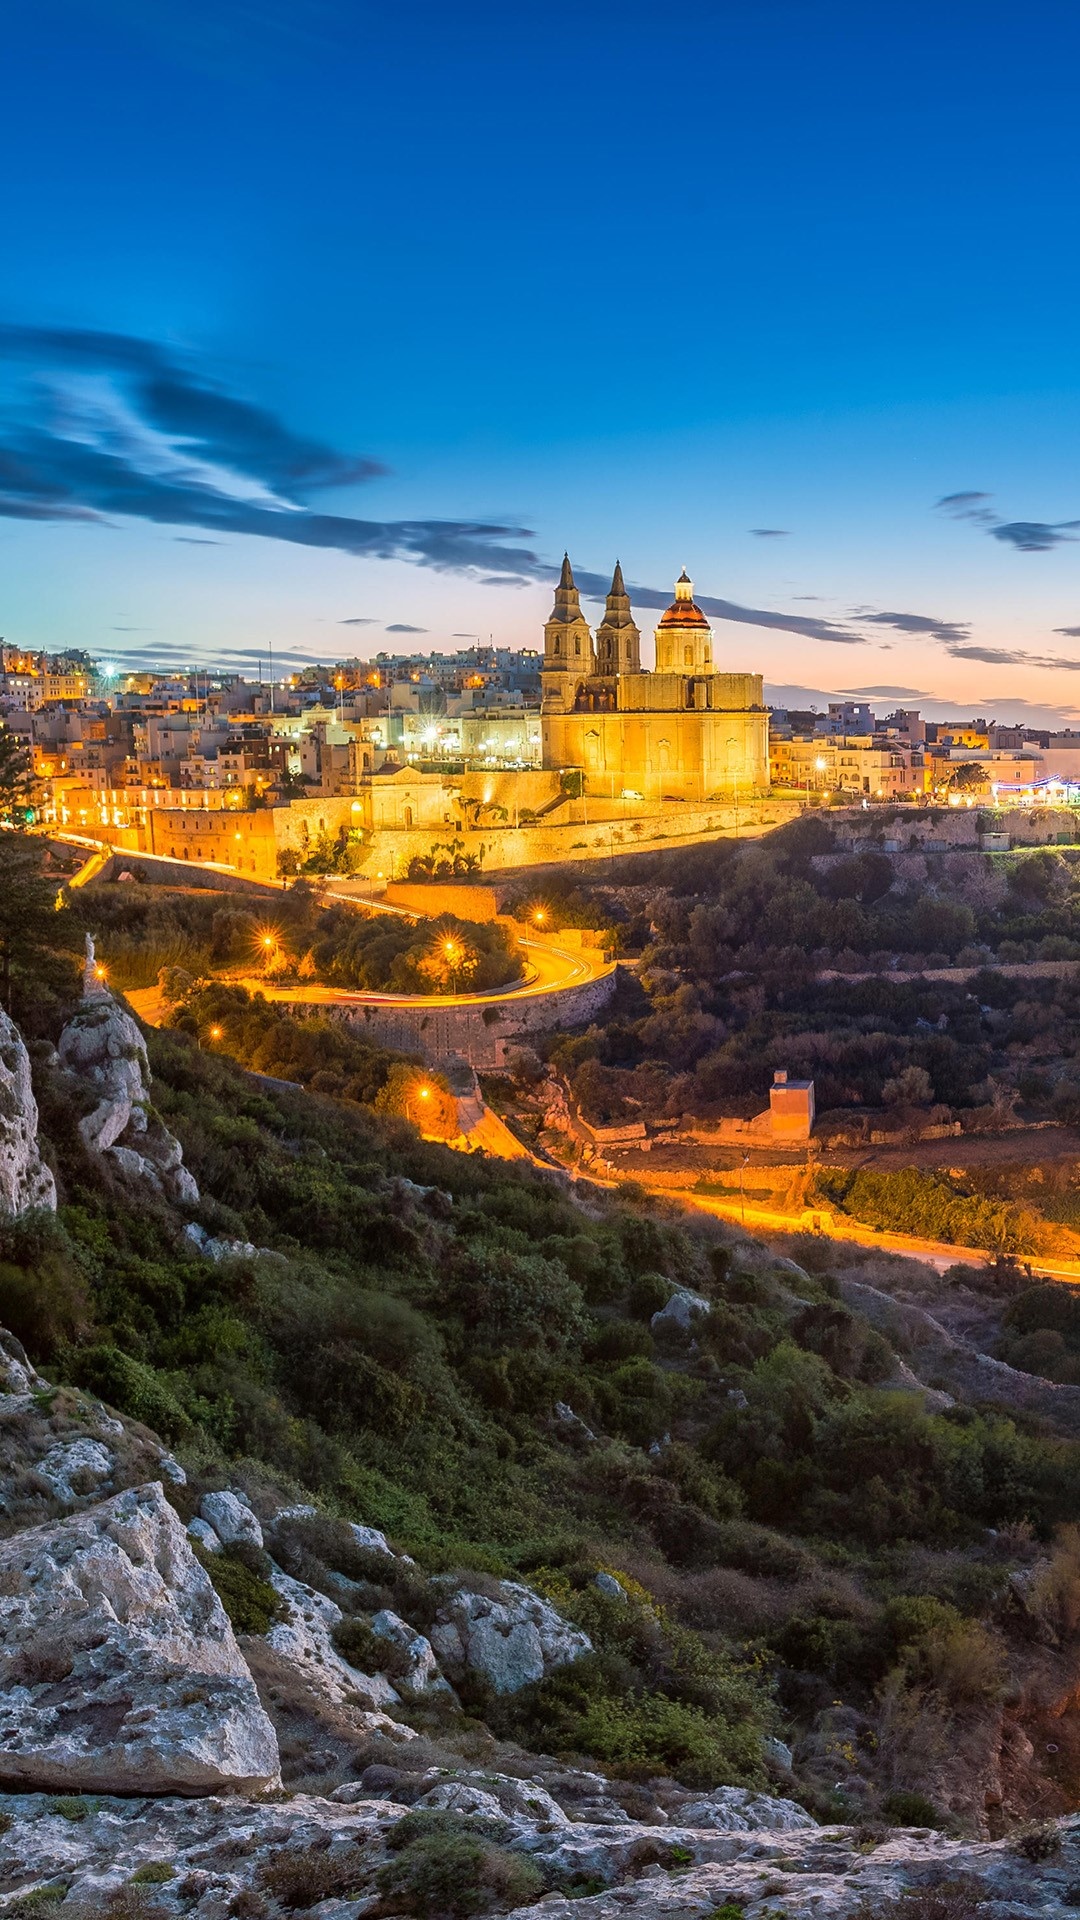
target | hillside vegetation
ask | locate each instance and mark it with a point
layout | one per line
(466, 1353)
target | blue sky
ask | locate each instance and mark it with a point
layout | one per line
(323, 320)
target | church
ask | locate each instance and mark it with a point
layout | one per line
(682, 732)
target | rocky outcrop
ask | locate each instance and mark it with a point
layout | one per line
(102, 1049)
(222, 1852)
(120, 1670)
(510, 1640)
(303, 1638)
(25, 1180)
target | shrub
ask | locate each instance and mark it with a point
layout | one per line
(138, 1390)
(457, 1874)
(154, 1873)
(960, 1898)
(358, 1643)
(904, 1808)
(1037, 1843)
(299, 1877)
(250, 1601)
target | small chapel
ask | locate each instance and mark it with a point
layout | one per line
(682, 731)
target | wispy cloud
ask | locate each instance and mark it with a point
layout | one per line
(886, 693)
(920, 623)
(770, 533)
(402, 626)
(1012, 657)
(109, 426)
(1071, 633)
(1026, 536)
(967, 506)
(1035, 536)
(358, 620)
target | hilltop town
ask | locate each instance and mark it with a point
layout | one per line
(413, 764)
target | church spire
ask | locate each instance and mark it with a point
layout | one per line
(568, 642)
(618, 642)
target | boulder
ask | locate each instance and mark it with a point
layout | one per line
(76, 1467)
(682, 1310)
(25, 1180)
(120, 1672)
(304, 1641)
(422, 1671)
(608, 1584)
(510, 1640)
(17, 1377)
(102, 1049)
(737, 1810)
(231, 1518)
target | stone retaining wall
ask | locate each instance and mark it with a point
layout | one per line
(471, 1030)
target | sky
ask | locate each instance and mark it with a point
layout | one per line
(326, 326)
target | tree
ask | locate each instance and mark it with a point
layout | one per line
(29, 922)
(423, 1098)
(911, 1087)
(17, 784)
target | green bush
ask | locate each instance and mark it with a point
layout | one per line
(455, 1871)
(130, 1385)
(358, 1643)
(250, 1601)
(903, 1808)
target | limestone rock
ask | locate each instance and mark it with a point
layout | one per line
(372, 1538)
(203, 1535)
(120, 1670)
(512, 1640)
(17, 1376)
(25, 1180)
(456, 1797)
(215, 1247)
(608, 1584)
(101, 1048)
(737, 1810)
(219, 1848)
(682, 1310)
(304, 1640)
(231, 1518)
(76, 1467)
(422, 1672)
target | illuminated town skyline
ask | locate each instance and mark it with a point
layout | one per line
(332, 328)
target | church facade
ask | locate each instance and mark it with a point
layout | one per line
(682, 731)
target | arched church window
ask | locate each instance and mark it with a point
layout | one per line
(577, 646)
(688, 656)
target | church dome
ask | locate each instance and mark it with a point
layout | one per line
(683, 611)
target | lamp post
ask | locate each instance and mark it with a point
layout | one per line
(422, 1093)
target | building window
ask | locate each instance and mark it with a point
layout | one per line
(408, 816)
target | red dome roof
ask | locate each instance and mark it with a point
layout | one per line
(683, 611)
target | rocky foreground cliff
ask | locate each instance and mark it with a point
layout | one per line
(160, 1757)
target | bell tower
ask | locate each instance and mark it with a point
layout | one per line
(568, 641)
(618, 641)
